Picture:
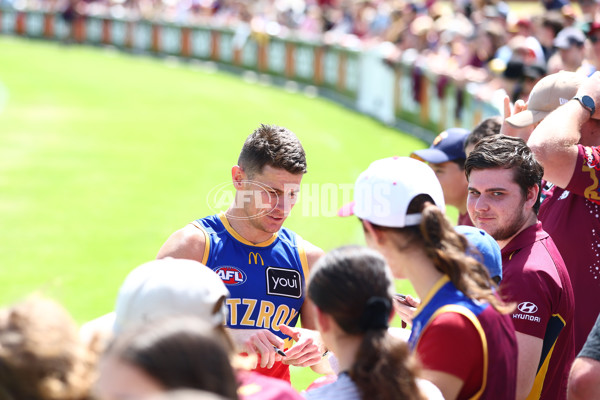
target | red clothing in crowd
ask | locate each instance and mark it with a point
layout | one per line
(571, 217)
(255, 386)
(468, 339)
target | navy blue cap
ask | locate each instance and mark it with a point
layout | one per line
(447, 146)
(486, 246)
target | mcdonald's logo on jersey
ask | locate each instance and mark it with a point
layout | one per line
(255, 256)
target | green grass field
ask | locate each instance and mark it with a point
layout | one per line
(103, 155)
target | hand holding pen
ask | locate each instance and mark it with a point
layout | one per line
(279, 351)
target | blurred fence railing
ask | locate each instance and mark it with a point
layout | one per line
(400, 94)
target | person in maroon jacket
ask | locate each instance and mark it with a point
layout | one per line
(504, 198)
(567, 144)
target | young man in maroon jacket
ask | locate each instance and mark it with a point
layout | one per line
(504, 198)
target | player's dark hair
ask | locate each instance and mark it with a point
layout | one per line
(507, 152)
(275, 146)
(180, 353)
(487, 127)
(447, 250)
(355, 287)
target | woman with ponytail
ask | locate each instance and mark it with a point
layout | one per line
(461, 333)
(352, 289)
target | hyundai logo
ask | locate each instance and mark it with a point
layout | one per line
(527, 307)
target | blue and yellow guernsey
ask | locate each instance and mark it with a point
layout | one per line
(267, 281)
(498, 366)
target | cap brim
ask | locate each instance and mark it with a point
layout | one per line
(526, 118)
(346, 210)
(562, 45)
(434, 156)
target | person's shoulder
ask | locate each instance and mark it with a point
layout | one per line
(527, 250)
(538, 271)
(342, 388)
(188, 242)
(544, 256)
(191, 235)
(313, 252)
(532, 266)
(453, 317)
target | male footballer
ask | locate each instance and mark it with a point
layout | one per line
(264, 265)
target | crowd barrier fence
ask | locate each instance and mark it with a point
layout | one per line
(400, 93)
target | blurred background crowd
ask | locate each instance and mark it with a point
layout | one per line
(484, 42)
(498, 48)
(501, 48)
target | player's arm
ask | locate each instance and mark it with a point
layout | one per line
(530, 352)
(188, 242)
(584, 379)
(309, 347)
(554, 141)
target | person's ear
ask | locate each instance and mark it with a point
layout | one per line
(238, 176)
(323, 320)
(373, 232)
(532, 196)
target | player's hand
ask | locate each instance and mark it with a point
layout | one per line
(405, 308)
(510, 130)
(259, 342)
(309, 347)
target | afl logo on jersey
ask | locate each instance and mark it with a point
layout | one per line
(231, 276)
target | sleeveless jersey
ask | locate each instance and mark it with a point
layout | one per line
(495, 330)
(266, 281)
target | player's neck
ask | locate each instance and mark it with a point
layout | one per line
(241, 225)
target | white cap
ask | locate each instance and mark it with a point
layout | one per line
(169, 287)
(383, 192)
(569, 37)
